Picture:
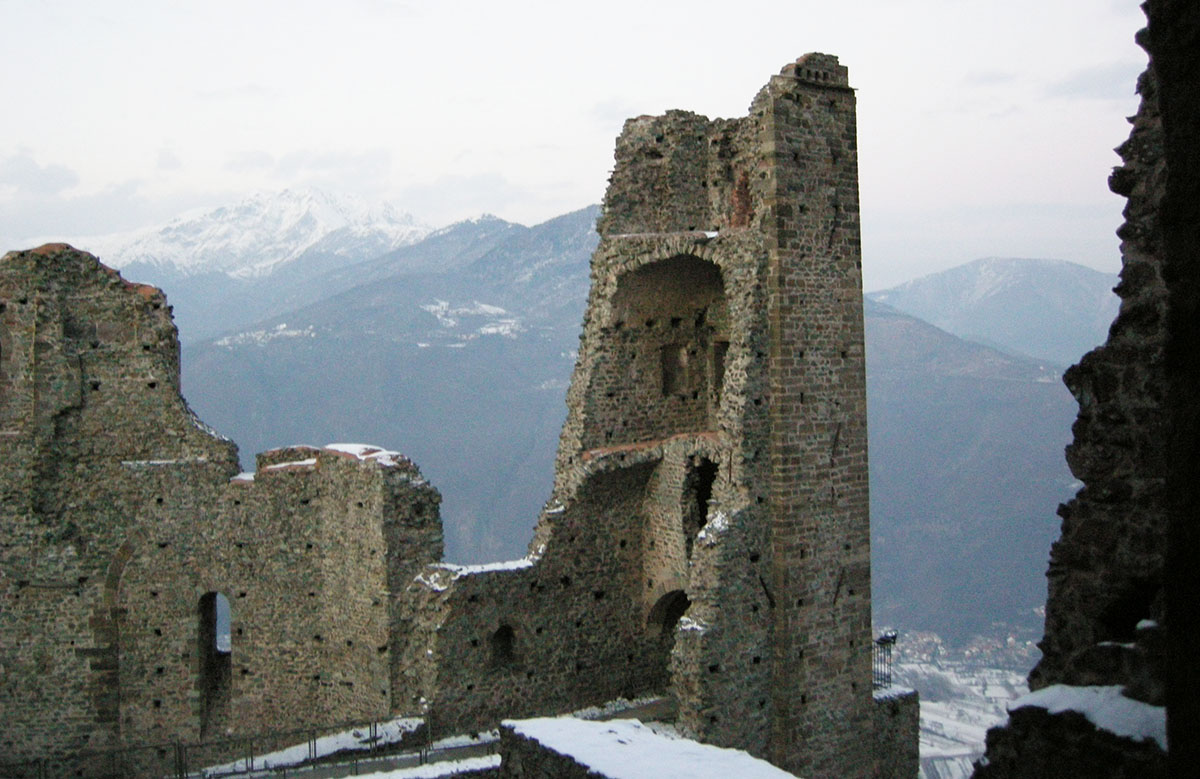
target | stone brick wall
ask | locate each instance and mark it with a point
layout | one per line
(123, 519)
(897, 715)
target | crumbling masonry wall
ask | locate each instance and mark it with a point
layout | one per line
(707, 538)
(708, 533)
(123, 518)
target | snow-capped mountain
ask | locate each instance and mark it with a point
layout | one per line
(263, 232)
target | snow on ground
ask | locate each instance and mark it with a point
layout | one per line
(471, 740)
(627, 749)
(435, 770)
(262, 337)
(358, 739)
(1105, 707)
(307, 462)
(468, 570)
(958, 705)
(612, 708)
(369, 453)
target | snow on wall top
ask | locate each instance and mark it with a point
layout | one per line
(1105, 707)
(627, 749)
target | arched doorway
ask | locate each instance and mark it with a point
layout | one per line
(661, 625)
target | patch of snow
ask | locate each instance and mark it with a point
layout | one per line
(160, 463)
(887, 693)
(627, 749)
(434, 582)
(555, 508)
(1105, 707)
(368, 453)
(696, 625)
(612, 707)
(713, 528)
(1146, 624)
(711, 233)
(263, 337)
(469, 570)
(358, 739)
(200, 425)
(437, 770)
(472, 740)
(244, 476)
(300, 463)
(509, 328)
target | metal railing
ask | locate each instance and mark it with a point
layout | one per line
(230, 756)
(881, 666)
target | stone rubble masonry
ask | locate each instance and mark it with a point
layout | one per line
(707, 537)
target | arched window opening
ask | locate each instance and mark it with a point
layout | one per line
(697, 498)
(670, 328)
(666, 613)
(215, 653)
(503, 647)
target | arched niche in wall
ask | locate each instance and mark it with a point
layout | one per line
(504, 647)
(666, 339)
(661, 625)
(215, 651)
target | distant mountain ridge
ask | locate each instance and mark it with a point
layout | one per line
(256, 236)
(457, 350)
(462, 363)
(1046, 309)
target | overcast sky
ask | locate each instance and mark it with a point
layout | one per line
(986, 127)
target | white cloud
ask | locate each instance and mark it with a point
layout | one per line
(23, 173)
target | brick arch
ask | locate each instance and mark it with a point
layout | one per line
(104, 655)
(663, 373)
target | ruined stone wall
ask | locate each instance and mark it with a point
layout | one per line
(776, 654)
(1105, 572)
(122, 524)
(300, 552)
(91, 382)
(552, 636)
(896, 714)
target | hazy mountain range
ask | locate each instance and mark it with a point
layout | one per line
(1046, 309)
(456, 346)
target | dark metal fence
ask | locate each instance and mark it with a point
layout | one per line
(881, 668)
(231, 756)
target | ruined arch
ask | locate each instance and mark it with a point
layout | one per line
(666, 612)
(668, 334)
(662, 625)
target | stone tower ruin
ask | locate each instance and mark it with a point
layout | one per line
(707, 538)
